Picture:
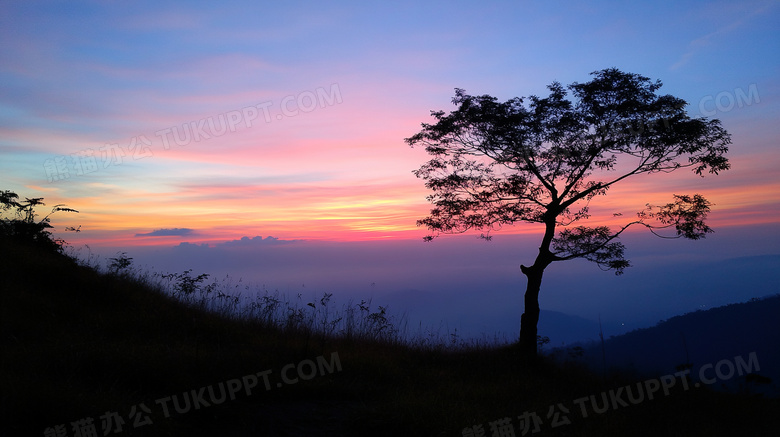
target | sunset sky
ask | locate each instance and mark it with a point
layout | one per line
(205, 122)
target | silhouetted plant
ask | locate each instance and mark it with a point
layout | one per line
(120, 264)
(376, 325)
(24, 228)
(184, 284)
(576, 352)
(322, 315)
(499, 163)
(541, 341)
(265, 308)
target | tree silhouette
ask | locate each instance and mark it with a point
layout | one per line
(543, 160)
(24, 227)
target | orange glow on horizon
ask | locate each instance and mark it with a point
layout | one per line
(335, 209)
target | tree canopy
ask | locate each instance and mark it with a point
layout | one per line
(543, 160)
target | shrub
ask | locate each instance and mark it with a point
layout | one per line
(18, 222)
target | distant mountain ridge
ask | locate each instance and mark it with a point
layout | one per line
(700, 338)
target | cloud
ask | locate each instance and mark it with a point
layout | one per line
(256, 241)
(173, 232)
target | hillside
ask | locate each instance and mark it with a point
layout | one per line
(112, 351)
(703, 338)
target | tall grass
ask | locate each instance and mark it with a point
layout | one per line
(78, 341)
(315, 317)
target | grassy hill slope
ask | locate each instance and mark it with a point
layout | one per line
(77, 345)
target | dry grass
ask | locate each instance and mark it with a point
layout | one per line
(77, 343)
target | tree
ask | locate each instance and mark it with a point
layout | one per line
(543, 160)
(24, 228)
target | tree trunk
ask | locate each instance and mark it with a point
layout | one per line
(530, 317)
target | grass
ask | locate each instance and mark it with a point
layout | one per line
(78, 343)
